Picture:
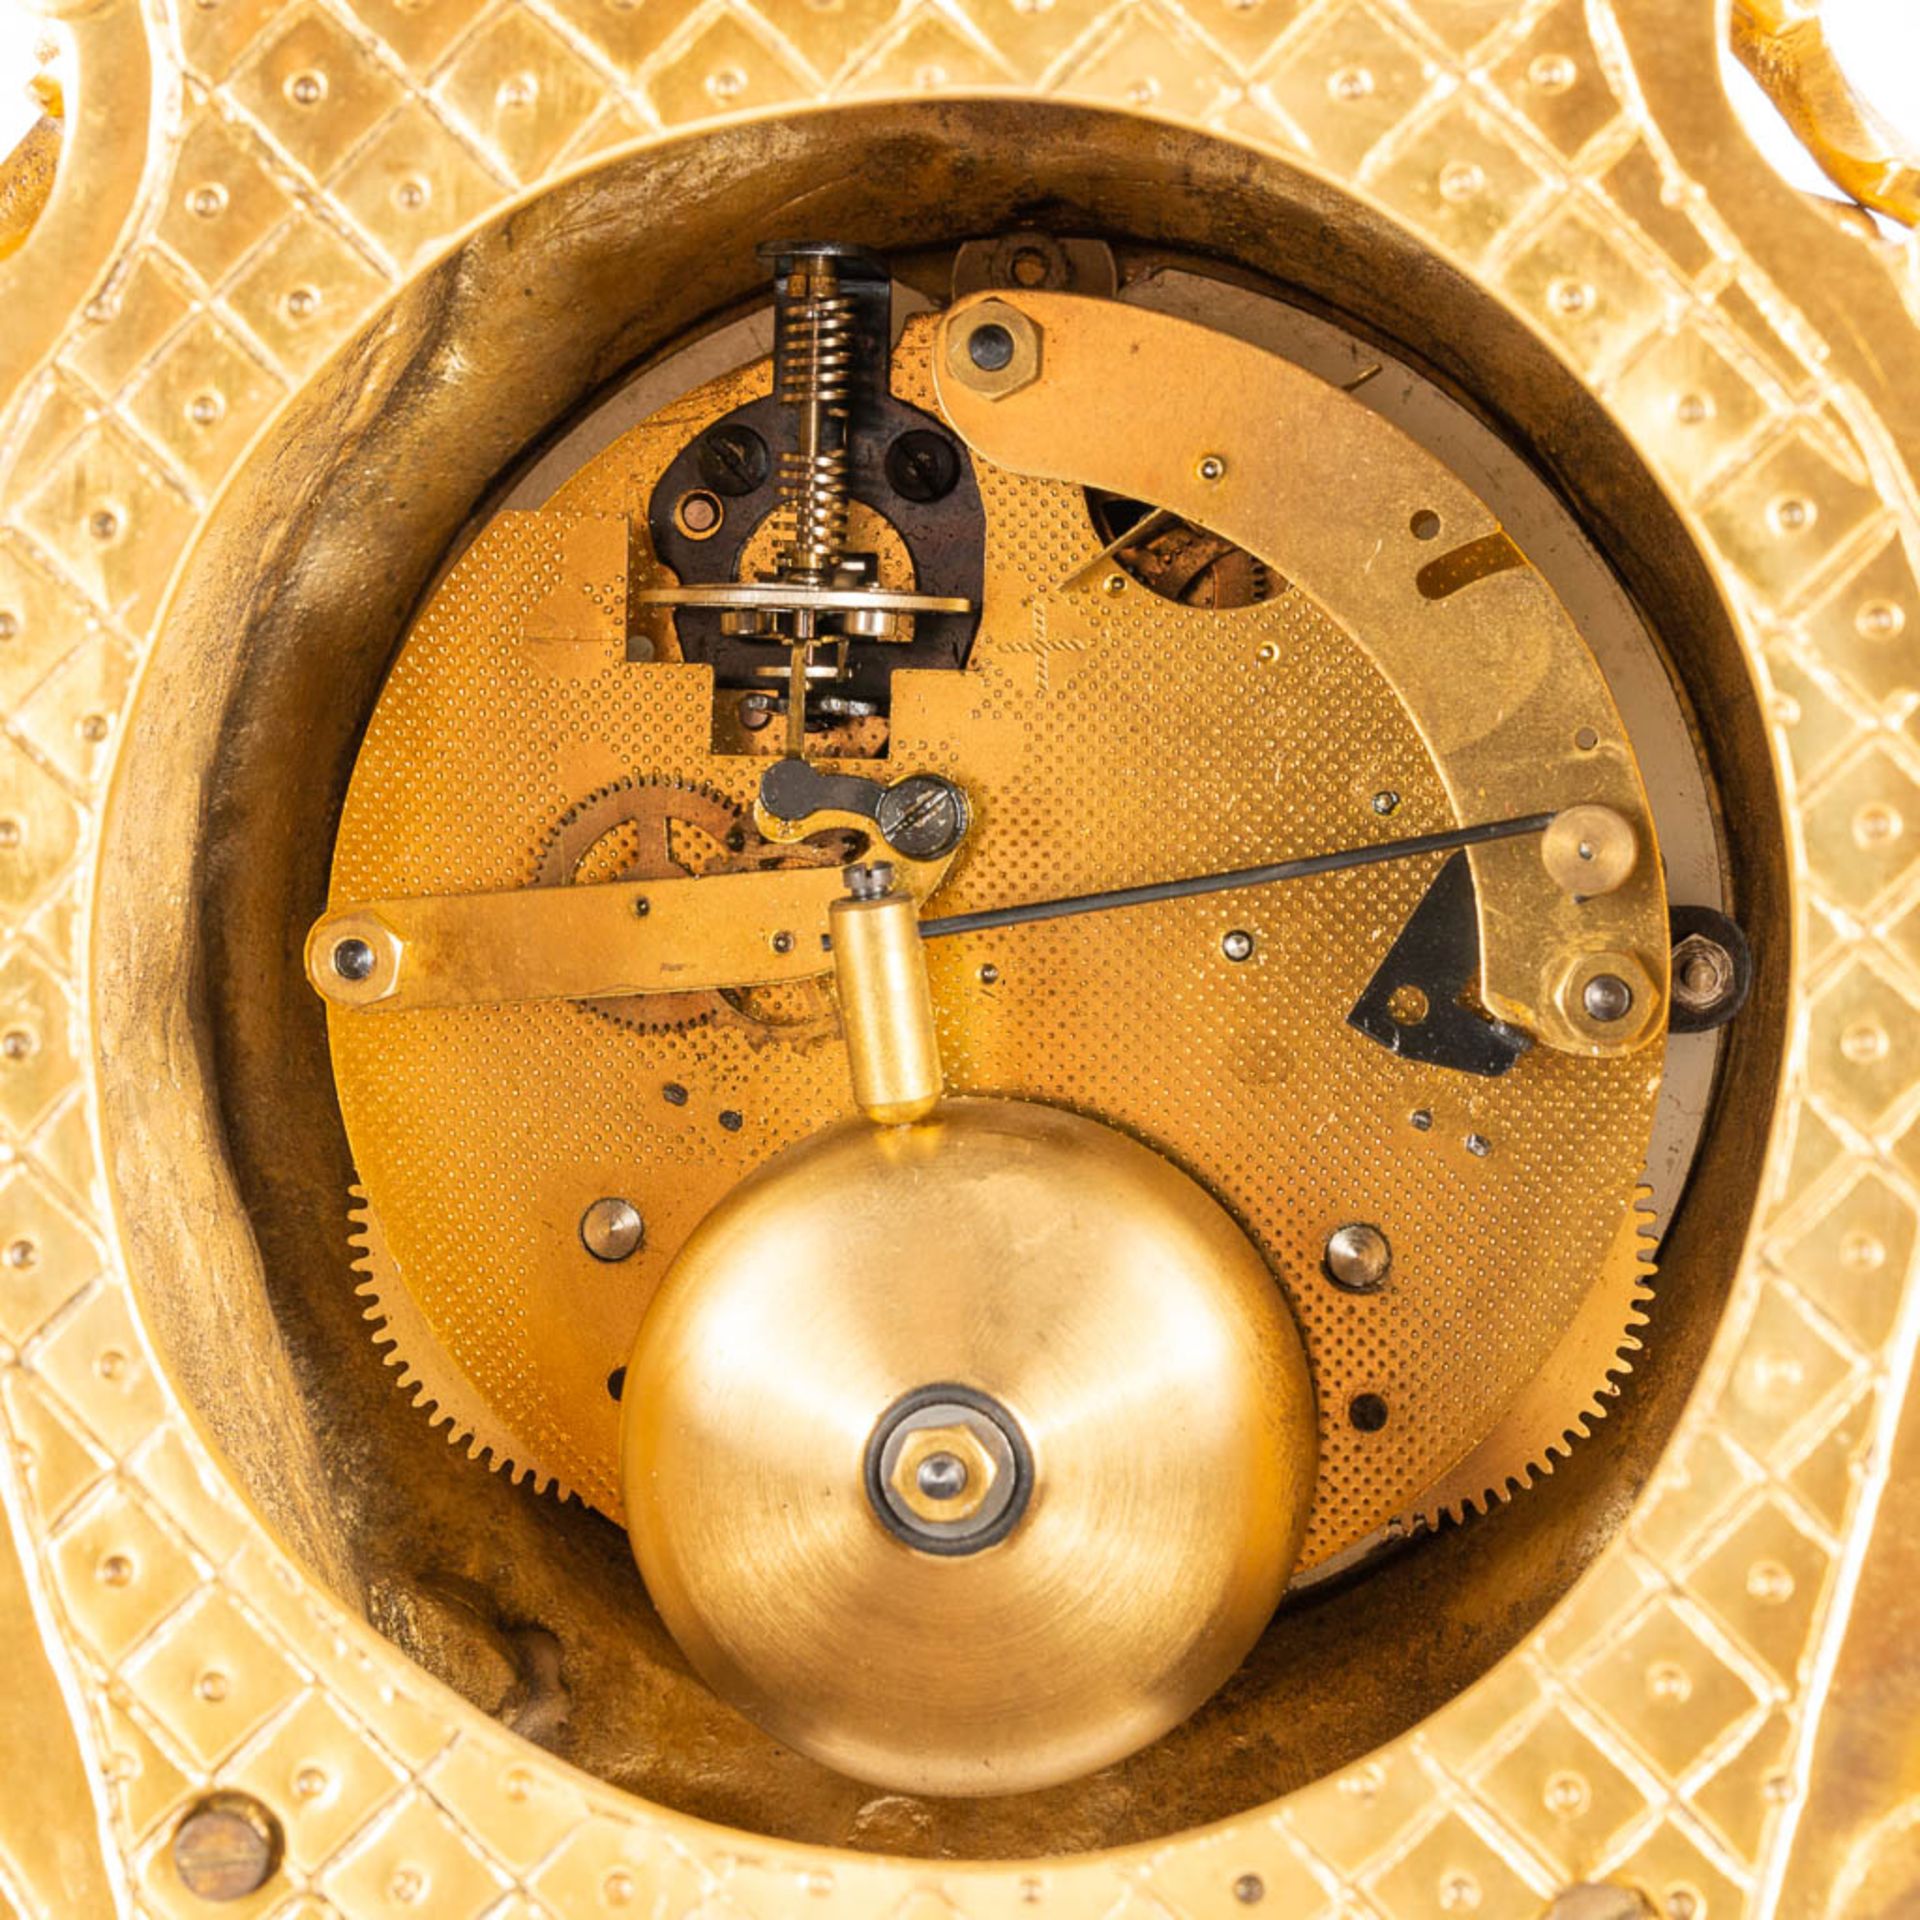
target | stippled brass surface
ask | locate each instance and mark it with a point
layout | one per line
(1105, 738)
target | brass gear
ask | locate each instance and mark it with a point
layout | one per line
(1194, 568)
(634, 829)
(654, 829)
(1555, 1410)
(428, 1375)
(1553, 1413)
(642, 816)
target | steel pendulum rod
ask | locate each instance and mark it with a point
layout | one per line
(1302, 869)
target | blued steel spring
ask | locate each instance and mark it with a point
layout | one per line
(816, 323)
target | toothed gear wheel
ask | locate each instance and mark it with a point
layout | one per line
(1182, 562)
(1557, 1408)
(427, 1375)
(660, 830)
(1198, 569)
(1553, 1413)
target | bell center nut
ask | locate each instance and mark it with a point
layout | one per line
(948, 1470)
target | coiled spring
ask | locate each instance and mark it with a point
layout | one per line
(816, 356)
(813, 503)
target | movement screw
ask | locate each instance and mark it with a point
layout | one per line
(226, 1847)
(990, 347)
(733, 460)
(1703, 973)
(923, 466)
(352, 959)
(922, 816)
(942, 1476)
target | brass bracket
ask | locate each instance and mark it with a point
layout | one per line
(1397, 550)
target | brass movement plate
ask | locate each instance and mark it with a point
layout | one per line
(1679, 1723)
(1104, 739)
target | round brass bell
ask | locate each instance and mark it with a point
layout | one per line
(968, 1456)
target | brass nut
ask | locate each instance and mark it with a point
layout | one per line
(1590, 850)
(1609, 999)
(993, 349)
(922, 1445)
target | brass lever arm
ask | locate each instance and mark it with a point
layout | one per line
(588, 942)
